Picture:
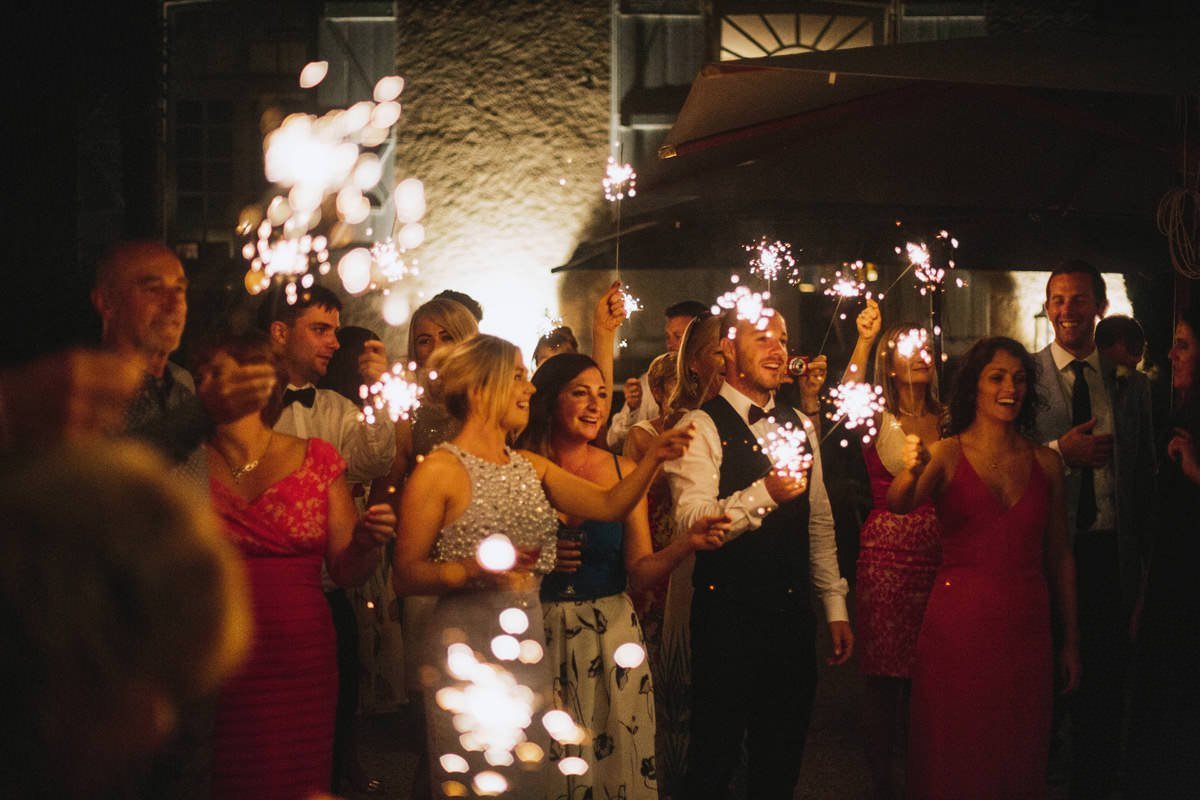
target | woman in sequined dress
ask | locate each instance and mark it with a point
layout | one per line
(463, 492)
(587, 613)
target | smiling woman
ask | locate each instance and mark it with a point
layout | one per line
(982, 680)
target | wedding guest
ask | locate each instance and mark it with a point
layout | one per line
(122, 607)
(1102, 428)
(475, 486)
(559, 340)
(1164, 733)
(587, 612)
(285, 504)
(639, 404)
(898, 553)
(753, 631)
(982, 681)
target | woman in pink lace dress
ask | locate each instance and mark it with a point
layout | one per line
(897, 553)
(286, 506)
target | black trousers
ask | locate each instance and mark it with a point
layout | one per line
(1097, 709)
(754, 676)
(345, 624)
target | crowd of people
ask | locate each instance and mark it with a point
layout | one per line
(209, 571)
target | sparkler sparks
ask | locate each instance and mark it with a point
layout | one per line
(620, 181)
(396, 392)
(915, 341)
(857, 405)
(772, 260)
(491, 709)
(930, 267)
(847, 283)
(311, 159)
(751, 307)
(787, 447)
(632, 303)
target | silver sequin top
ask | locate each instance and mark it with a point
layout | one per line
(505, 498)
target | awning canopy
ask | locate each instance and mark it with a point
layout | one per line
(1039, 144)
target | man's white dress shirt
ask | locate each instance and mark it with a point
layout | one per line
(695, 480)
(368, 449)
(1102, 477)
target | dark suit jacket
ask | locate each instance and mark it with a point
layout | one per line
(1133, 457)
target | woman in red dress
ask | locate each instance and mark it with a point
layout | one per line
(286, 506)
(984, 672)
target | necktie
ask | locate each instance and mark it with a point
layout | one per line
(756, 414)
(1081, 412)
(305, 397)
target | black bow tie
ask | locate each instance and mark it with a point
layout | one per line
(305, 397)
(756, 414)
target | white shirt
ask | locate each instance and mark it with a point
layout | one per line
(368, 449)
(1102, 478)
(623, 420)
(695, 481)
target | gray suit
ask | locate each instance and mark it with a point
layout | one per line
(1108, 570)
(1133, 457)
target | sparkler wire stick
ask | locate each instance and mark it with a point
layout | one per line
(825, 338)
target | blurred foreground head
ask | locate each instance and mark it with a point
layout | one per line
(121, 603)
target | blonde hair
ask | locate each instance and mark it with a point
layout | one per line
(702, 333)
(450, 315)
(474, 376)
(883, 371)
(660, 369)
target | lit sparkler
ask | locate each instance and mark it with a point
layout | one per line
(847, 283)
(787, 447)
(620, 181)
(772, 260)
(311, 159)
(931, 267)
(396, 392)
(913, 342)
(491, 708)
(857, 405)
(751, 307)
(631, 302)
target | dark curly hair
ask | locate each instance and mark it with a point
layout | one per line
(550, 379)
(966, 384)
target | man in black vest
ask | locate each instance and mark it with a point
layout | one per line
(753, 630)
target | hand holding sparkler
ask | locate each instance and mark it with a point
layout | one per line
(708, 533)
(231, 394)
(373, 361)
(787, 448)
(869, 322)
(670, 444)
(915, 454)
(610, 310)
(376, 526)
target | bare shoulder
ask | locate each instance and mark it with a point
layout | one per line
(439, 468)
(1050, 462)
(540, 463)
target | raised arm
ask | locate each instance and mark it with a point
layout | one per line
(582, 498)
(923, 476)
(869, 322)
(648, 567)
(606, 319)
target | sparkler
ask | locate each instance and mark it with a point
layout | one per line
(771, 260)
(620, 181)
(396, 392)
(311, 159)
(632, 303)
(846, 284)
(751, 307)
(910, 343)
(787, 447)
(931, 267)
(856, 405)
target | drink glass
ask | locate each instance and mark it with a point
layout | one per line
(571, 535)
